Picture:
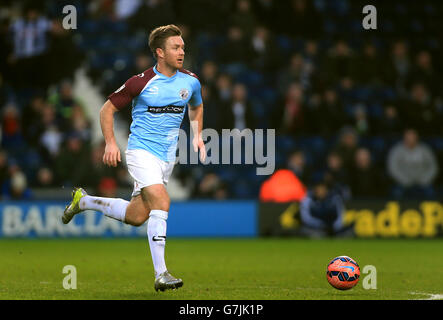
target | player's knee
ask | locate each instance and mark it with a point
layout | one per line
(161, 205)
(156, 199)
(138, 220)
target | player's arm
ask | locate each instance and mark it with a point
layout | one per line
(118, 100)
(196, 119)
(112, 152)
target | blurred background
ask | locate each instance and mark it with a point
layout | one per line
(358, 111)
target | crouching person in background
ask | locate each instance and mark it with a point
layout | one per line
(322, 212)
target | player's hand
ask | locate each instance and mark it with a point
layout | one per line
(199, 145)
(112, 155)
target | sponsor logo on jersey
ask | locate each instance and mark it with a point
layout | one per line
(166, 109)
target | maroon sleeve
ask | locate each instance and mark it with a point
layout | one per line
(189, 73)
(123, 96)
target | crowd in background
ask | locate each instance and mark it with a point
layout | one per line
(359, 110)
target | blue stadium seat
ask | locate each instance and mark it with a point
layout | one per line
(436, 143)
(285, 143)
(375, 110)
(258, 109)
(330, 26)
(89, 26)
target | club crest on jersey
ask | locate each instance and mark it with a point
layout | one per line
(184, 93)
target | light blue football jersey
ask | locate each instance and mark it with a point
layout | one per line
(159, 108)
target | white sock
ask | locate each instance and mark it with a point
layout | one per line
(111, 207)
(157, 239)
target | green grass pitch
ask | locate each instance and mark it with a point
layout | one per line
(218, 268)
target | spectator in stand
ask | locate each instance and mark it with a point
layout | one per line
(297, 72)
(413, 167)
(31, 120)
(346, 90)
(6, 56)
(423, 71)
(347, 146)
(297, 164)
(360, 120)
(208, 76)
(73, 165)
(327, 117)
(336, 175)
(243, 17)
(389, 123)
(29, 34)
(51, 136)
(124, 9)
(211, 187)
(180, 186)
(298, 18)
(236, 53)
(212, 113)
(237, 113)
(207, 16)
(62, 44)
(321, 212)
(16, 187)
(365, 178)
(367, 67)
(80, 124)
(266, 12)
(289, 115)
(45, 178)
(101, 9)
(420, 111)
(311, 54)
(12, 137)
(3, 168)
(224, 88)
(338, 61)
(398, 67)
(66, 105)
(266, 56)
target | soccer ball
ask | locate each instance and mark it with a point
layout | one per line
(343, 273)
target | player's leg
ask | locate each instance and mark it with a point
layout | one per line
(132, 212)
(156, 197)
(112, 207)
(137, 213)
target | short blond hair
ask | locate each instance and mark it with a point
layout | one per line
(158, 37)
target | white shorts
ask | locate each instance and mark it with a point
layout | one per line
(146, 169)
